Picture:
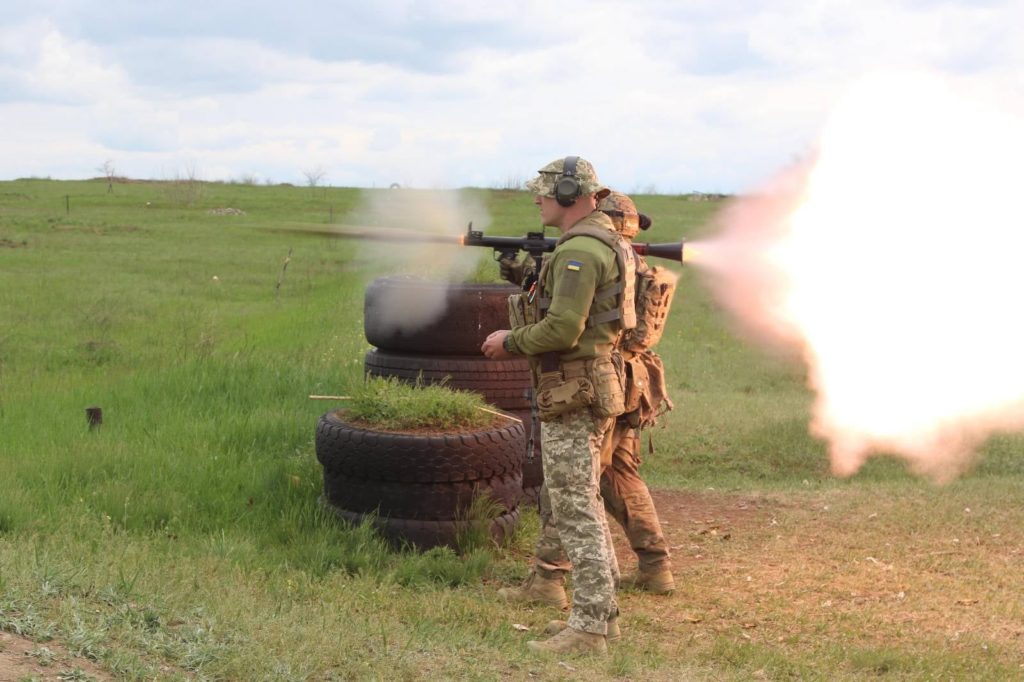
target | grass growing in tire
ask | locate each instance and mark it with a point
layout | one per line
(384, 403)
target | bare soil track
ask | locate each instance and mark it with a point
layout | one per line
(21, 658)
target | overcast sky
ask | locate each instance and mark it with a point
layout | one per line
(672, 96)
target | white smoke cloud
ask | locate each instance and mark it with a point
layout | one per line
(893, 260)
(427, 212)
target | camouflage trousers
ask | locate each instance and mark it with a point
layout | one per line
(627, 499)
(572, 460)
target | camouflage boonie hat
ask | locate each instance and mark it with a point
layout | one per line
(617, 201)
(621, 209)
(544, 184)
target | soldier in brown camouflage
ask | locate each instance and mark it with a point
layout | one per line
(626, 496)
(579, 389)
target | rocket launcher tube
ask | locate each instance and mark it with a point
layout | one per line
(534, 243)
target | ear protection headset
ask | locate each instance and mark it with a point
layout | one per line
(567, 189)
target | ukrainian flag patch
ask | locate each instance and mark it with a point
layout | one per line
(574, 265)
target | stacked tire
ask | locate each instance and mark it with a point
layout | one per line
(447, 350)
(420, 488)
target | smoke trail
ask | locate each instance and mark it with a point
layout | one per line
(426, 211)
(892, 259)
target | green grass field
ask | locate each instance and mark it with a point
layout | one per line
(183, 539)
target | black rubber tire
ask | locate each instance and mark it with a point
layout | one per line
(426, 534)
(533, 470)
(434, 501)
(344, 449)
(502, 383)
(473, 311)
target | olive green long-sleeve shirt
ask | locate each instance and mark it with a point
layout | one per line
(577, 268)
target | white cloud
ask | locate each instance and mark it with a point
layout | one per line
(40, 62)
(682, 96)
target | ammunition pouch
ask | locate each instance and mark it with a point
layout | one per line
(516, 313)
(609, 377)
(636, 385)
(596, 383)
(521, 311)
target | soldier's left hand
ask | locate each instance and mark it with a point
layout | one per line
(512, 270)
(494, 345)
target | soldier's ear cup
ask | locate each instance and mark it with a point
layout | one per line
(567, 189)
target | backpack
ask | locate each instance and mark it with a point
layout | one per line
(655, 288)
(646, 385)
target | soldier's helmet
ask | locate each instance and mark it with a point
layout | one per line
(621, 209)
(549, 175)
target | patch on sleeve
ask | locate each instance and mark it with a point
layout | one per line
(574, 265)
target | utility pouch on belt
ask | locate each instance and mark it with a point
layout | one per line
(557, 395)
(596, 383)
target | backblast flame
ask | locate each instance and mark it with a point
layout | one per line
(892, 259)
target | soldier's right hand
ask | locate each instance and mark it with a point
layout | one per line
(512, 270)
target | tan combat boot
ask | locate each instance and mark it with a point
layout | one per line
(571, 641)
(538, 590)
(659, 581)
(614, 633)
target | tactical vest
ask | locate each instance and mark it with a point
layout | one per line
(624, 288)
(645, 297)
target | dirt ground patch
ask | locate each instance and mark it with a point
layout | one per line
(837, 569)
(23, 659)
(696, 522)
